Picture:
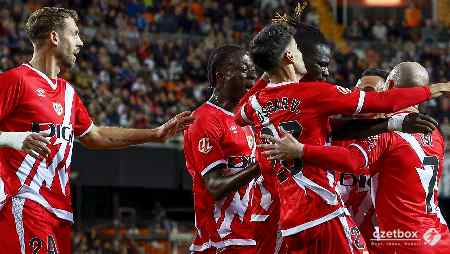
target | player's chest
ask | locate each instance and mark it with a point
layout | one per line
(236, 139)
(44, 105)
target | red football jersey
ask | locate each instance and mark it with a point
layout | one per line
(33, 102)
(307, 193)
(407, 189)
(356, 193)
(214, 140)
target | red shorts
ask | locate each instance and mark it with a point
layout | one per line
(268, 237)
(27, 227)
(336, 236)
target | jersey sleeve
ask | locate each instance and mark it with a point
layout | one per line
(205, 137)
(354, 158)
(242, 112)
(11, 91)
(83, 122)
(334, 100)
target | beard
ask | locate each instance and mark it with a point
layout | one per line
(66, 59)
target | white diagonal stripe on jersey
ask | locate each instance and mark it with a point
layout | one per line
(411, 140)
(265, 121)
(25, 168)
(362, 96)
(48, 173)
(258, 109)
(222, 244)
(3, 195)
(425, 178)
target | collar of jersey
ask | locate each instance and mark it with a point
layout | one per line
(49, 81)
(220, 108)
(273, 85)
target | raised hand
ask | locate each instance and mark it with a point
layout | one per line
(175, 125)
(285, 148)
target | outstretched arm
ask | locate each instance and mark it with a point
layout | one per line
(116, 138)
(220, 184)
(352, 128)
(345, 159)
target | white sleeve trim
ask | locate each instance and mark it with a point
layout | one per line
(366, 158)
(212, 165)
(362, 96)
(244, 116)
(87, 131)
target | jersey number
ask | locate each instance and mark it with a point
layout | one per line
(431, 161)
(296, 165)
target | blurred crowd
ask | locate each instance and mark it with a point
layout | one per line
(144, 61)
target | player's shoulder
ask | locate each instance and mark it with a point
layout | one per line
(15, 72)
(206, 114)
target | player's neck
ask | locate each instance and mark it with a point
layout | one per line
(284, 74)
(218, 100)
(46, 63)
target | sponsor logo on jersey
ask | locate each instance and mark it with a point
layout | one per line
(58, 108)
(204, 146)
(60, 131)
(40, 92)
(432, 236)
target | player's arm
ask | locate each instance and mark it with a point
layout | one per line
(11, 91)
(337, 100)
(220, 184)
(351, 128)
(115, 137)
(350, 159)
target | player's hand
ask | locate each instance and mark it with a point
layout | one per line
(418, 123)
(439, 89)
(175, 125)
(36, 145)
(285, 148)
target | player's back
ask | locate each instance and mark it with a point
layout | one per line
(307, 193)
(214, 140)
(407, 190)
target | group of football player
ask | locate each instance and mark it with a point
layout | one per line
(295, 164)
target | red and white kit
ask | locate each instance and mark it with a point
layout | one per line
(357, 194)
(36, 210)
(406, 195)
(308, 197)
(215, 141)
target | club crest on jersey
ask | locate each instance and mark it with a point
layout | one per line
(204, 146)
(40, 92)
(343, 90)
(58, 108)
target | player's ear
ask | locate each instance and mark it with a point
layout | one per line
(219, 79)
(54, 38)
(288, 57)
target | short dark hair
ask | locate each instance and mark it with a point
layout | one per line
(268, 46)
(375, 72)
(221, 57)
(308, 37)
(44, 20)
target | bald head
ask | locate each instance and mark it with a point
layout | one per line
(408, 74)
